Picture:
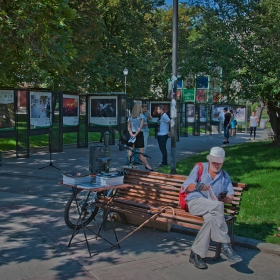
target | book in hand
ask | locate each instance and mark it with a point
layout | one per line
(109, 179)
(76, 178)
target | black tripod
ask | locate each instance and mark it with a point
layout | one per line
(50, 147)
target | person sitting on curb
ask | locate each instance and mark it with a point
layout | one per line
(202, 201)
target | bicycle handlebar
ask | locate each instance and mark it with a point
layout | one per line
(134, 152)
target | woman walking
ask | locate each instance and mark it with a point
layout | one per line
(253, 125)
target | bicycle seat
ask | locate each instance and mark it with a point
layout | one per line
(103, 160)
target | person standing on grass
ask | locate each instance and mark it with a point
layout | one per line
(163, 133)
(210, 205)
(227, 119)
(253, 125)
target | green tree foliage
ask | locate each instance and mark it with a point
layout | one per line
(163, 36)
(243, 38)
(79, 45)
(35, 41)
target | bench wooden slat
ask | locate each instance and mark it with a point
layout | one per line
(150, 191)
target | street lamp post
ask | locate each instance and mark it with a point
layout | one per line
(174, 102)
(125, 72)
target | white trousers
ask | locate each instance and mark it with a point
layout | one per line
(146, 136)
(214, 226)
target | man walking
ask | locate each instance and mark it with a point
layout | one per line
(163, 133)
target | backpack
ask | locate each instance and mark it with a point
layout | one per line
(182, 195)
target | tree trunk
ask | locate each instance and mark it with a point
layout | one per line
(274, 114)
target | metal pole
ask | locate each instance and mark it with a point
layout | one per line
(174, 105)
(125, 84)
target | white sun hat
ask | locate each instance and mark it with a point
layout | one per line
(217, 154)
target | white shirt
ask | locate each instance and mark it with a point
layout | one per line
(164, 124)
(254, 121)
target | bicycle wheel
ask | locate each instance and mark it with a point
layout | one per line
(71, 213)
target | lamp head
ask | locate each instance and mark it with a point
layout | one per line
(125, 71)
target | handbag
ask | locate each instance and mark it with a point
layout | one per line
(125, 138)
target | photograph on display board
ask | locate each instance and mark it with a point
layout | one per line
(202, 82)
(70, 110)
(218, 112)
(239, 113)
(103, 110)
(153, 109)
(202, 114)
(40, 109)
(201, 95)
(7, 117)
(190, 113)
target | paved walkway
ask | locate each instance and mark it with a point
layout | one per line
(34, 238)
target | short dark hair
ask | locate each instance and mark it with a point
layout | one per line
(161, 107)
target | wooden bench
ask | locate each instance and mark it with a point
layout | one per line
(150, 192)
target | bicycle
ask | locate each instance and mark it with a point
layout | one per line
(76, 203)
(131, 165)
(84, 201)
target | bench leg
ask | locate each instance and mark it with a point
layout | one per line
(218, 252)
(231, 232)
(123, 218)
(219, 245)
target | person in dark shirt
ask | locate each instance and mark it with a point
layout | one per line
(227, 120)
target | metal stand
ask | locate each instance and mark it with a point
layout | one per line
(50, 150)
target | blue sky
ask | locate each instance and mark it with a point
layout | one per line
(170, 2)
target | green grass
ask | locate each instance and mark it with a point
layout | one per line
(256, 164)
(7, 144)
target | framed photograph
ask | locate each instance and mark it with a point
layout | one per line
(201, 95)
(153, 109)
(70, 110)
(202, 82)
(190, 113)
(202, 114)
(40, 109)
(239, 113)
(218, 113)
(103, 110)
(7, 118)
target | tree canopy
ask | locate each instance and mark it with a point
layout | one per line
(83, 46)
(242, 37)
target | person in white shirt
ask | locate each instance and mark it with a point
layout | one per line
(253, 125)
(163, 133)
